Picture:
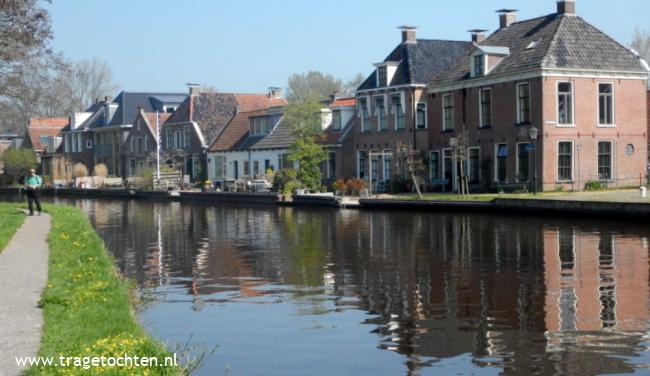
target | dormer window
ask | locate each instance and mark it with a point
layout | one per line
(260, 126)
(382, 77)
(169, 109)
(479, 65)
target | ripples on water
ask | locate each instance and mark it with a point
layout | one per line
(286, 291)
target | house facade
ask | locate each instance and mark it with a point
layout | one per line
(141, 144)
(337, 122)
(392, 106)
(197, 123)
(536, 106)
(43, 135)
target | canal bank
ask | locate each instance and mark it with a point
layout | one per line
(518, 205)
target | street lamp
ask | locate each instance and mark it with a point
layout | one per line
(533, 132)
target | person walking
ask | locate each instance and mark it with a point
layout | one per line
(32, 186)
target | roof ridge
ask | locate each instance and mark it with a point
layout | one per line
(544, 59)
(605, 35)
(440, 40)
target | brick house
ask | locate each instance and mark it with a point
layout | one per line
(44, 136)
(337, 122)
(392, 105)
(141, 143)
(199, 120)
(583, 93)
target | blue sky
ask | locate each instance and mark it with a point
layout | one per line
(249, 45)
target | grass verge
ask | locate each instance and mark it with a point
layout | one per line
(87, 306)
(10, 220)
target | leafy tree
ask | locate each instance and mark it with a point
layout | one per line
(18, 162)
(312, 86)
(305, 122)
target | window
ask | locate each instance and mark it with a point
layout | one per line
(170, 139)
(448, 112)
(146, 143)
(336, 120)
(362, 164)
(501, 166)
(256, 168)
(605, 160)
(89, 144)
(565, 161)
(267, 165)
(523, 166)
(421, 116)
(523, 103)
(382, 76)
(605, 104)
(374, 172)
(66, 143)
(169, 109)
(140, 145)
(479, 65)
(132, 167)
(380, 112)
(386, 165)
(138, 125)
(474, 167)
(447, 164)
(565, 103)
(246, 168)
(398, 112)
(365, 115)
(132, 144)
(178, 140)
(331, 165)
(486, 108)
(434, 165)
(186, 137)
(219, 166)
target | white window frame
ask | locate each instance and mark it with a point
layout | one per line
(426, 115)
(469, 164)
(473, 64)
(572, 124)
(365, 127)
(480, 107)
(612, 161)
(438, 152)
(517, 162)
(442, 165)
(387, 154)
(557, 160)
(378, 115)
(496, 159)
(530, 103)
(89, 144)
(395, 114)
(613, 125)
(445, 126)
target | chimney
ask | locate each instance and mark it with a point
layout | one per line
(566, 7)
(107, 99)
(408, 34)
(507, 17)
(275, 92)
(478, 35)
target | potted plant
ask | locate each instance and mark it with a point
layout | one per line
(340, 187)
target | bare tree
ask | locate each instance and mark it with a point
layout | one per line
(641, 43)
(352, 85)
(88, 81)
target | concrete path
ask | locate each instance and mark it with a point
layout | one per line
(23, 276)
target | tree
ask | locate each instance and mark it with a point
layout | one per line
(88, 80)
(410, 160)
(352, 85)
(19, 161)
(25, 33)
(305, 122)
(312, 86)
(641, 43)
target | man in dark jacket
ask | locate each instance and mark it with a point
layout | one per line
(32, 185)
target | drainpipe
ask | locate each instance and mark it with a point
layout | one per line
(415, 118)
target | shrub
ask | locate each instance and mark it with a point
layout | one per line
(341, 186)
(291, 186)
(79, 170)
(594, 185)
(100, 170)
(356, 186)
(283, 177)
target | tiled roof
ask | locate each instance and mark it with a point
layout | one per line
(344, 102)
(552, 41)
(128, 103)
(44, 127)
(150, 118)
(236, 133)
(421, 61)
(213, 111)
(280, 138)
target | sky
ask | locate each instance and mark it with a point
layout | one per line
(250, 45)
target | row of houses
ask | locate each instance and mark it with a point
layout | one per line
(550, 103)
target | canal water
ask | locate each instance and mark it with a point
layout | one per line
(286, 291)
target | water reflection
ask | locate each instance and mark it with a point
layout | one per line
(340, 292)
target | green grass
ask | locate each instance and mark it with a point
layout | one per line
(446, 197)
(88, 307)
(10, 220)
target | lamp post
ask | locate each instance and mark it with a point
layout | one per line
(533, 132)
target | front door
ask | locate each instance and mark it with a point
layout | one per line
(235, 166)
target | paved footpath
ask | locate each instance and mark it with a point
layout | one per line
(23, 276)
